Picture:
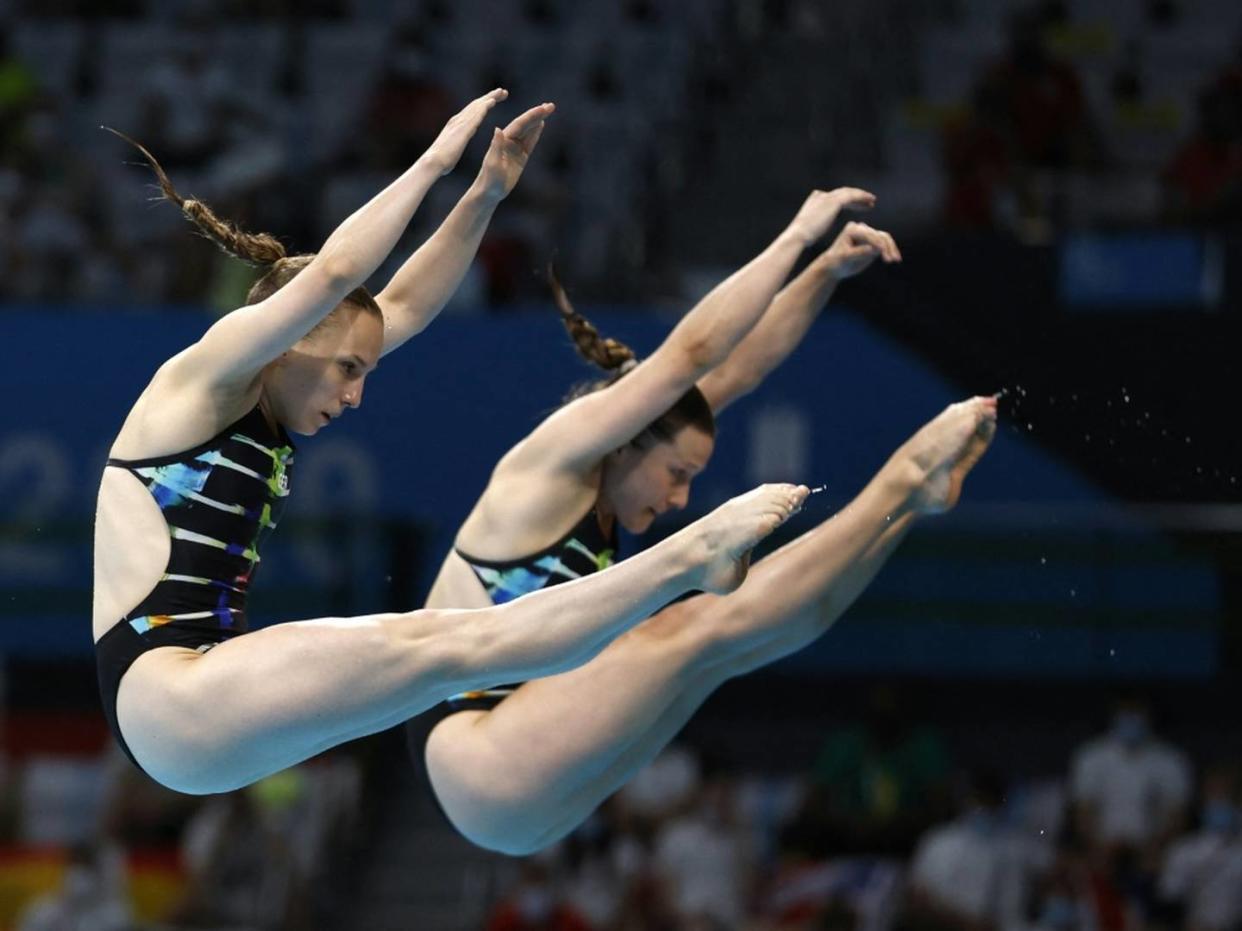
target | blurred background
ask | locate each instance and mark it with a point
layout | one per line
(1028, 722)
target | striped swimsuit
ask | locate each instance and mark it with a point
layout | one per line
(582, 551)
(220, 501)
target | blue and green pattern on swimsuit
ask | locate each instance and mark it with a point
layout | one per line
(582, 551)
(219, 501)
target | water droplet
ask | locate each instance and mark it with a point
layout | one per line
(1087, 437)
(1073, 593)
(1043, 560)
(1199, 469)
(1073, 397)
(1188, 440)
(1030, 426)
(1112, 652)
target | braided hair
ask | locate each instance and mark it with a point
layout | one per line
(257, 249)
(617, 359)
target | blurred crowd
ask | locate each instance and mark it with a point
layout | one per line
(91, 844)
(889, 832)
(891, 828)
(1067, 113)
(1149, 116)
(288, 122)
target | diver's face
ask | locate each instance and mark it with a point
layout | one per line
(641, 484)
(324, 374)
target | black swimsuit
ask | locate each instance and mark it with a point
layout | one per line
(220, 500)
(583, 550)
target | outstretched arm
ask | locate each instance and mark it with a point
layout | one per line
(423, 285)
(237, 347)
(793, 311)
(581, 433)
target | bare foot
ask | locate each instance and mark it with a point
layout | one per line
(946, 449)
(725, 537)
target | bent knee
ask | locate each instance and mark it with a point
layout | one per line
(176, 740)
(487, 802)
(183, 755)
(182, 763)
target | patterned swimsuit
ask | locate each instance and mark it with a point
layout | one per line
(220, 501)
(582, 551)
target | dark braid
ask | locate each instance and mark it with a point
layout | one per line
(615, 358)
(253, 248)
(605, 352)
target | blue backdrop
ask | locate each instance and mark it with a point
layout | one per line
(440, 412)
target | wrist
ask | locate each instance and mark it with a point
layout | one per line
(826, 269)
(484, 195)
(429, 168)
(793, 236)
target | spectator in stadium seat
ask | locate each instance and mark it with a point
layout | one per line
(1203, 871)
(975, 872)
(1074, 896)
(1203, 181)
(182, 96)
(706, 858)
(407, 108)
(536, 904)
(1043, 96)
(1130, 789)
(879, 784)
(978, 160)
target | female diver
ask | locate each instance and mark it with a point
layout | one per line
(202, 465)
(514, 775)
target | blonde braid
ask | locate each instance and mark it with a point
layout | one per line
(253, 248)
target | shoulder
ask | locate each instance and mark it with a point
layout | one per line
(524, 509)
(177, 412)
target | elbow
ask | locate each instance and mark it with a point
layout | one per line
(701, 354)
(340, 272)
